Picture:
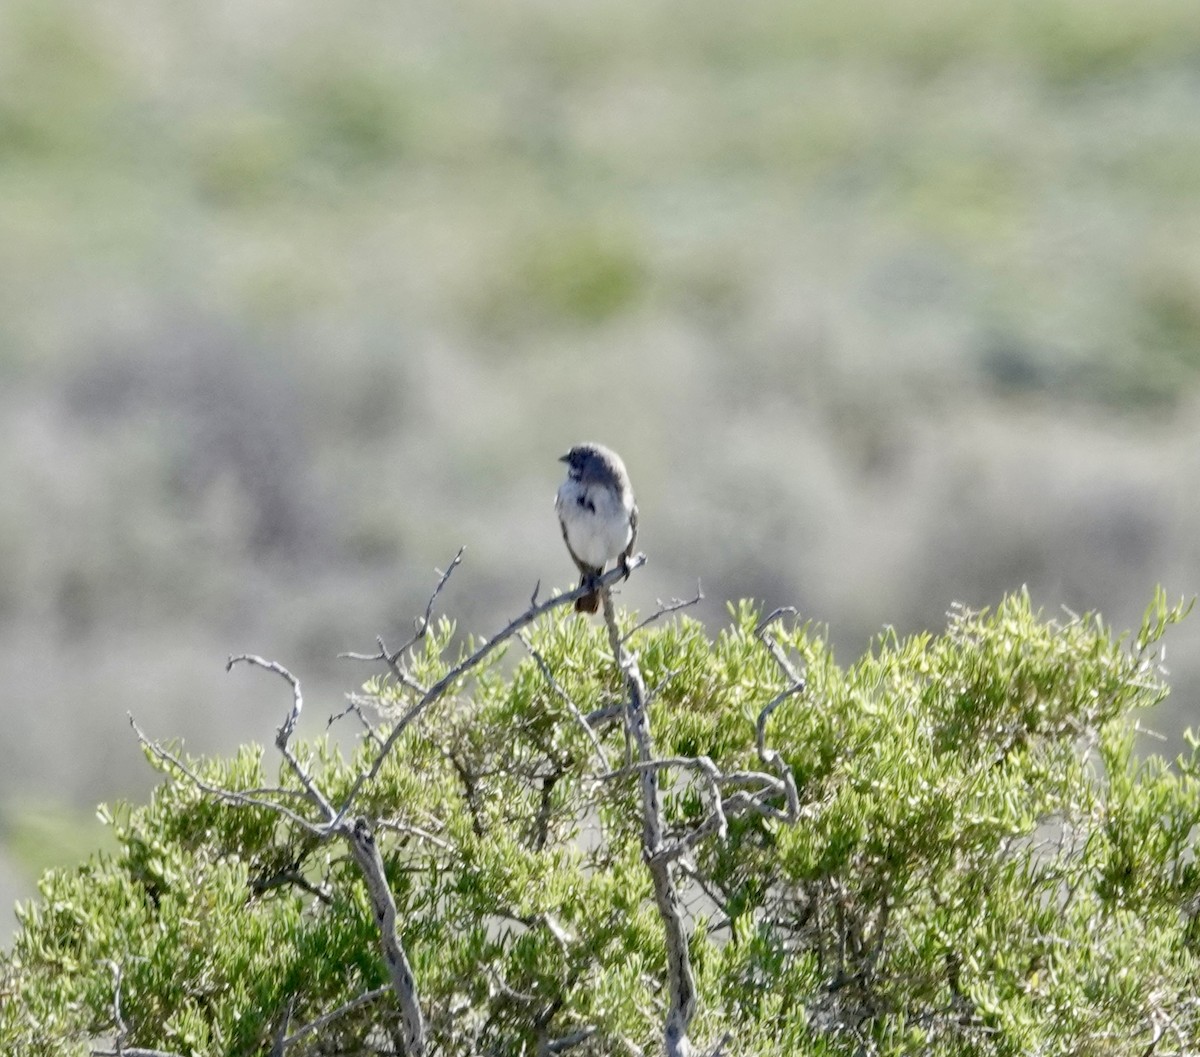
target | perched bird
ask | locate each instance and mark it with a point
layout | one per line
(598, 515)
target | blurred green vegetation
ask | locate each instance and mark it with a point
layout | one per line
(543, 166)
(41, 836)
(884, 305)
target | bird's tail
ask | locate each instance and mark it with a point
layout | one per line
(588, 603)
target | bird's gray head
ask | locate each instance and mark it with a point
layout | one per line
(594, 462)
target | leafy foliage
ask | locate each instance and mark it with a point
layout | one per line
(982, 864)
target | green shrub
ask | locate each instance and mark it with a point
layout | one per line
(980, 864)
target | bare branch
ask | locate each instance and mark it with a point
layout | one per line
(765, 783)
(279, 1044)
(366, 854)
(391, 660)
(328, 1018)
(295, 878)
(681, 982)
(774, 615)
(751, 799)
(764, 635)
(394, 658)
(771, 757)
(739, 803)
(673, 606)
(796, 685)
(134, 1051)
(780, 657)
(422, 624)
(118, 1019)
(421, 630)
(285, 732)
(760, 727)
(289, 724)
(406, 829)
(754, 787)
(710, 772)
(604, 715)
(567, 1042)
(355, 703)
(231, 796)
(500, 986)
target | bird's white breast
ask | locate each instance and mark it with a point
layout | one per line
(598, 536)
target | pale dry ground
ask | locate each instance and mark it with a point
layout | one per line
(884, 310)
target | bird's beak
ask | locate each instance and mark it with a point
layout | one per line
(564, 458)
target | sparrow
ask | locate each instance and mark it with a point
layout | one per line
(598, 515)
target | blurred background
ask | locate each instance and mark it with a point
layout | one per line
(885, 305)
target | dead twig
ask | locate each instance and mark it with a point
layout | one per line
(288, 727)
(566, 1042)
(328, 1018)
(230, 796)
(279, 1043)
(421, 629)
(406, 829)
(763, 633)
(355, 703)
(663, 609)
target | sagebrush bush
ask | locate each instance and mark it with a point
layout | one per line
(981, 863)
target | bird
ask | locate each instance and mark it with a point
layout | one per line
(598, 515)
